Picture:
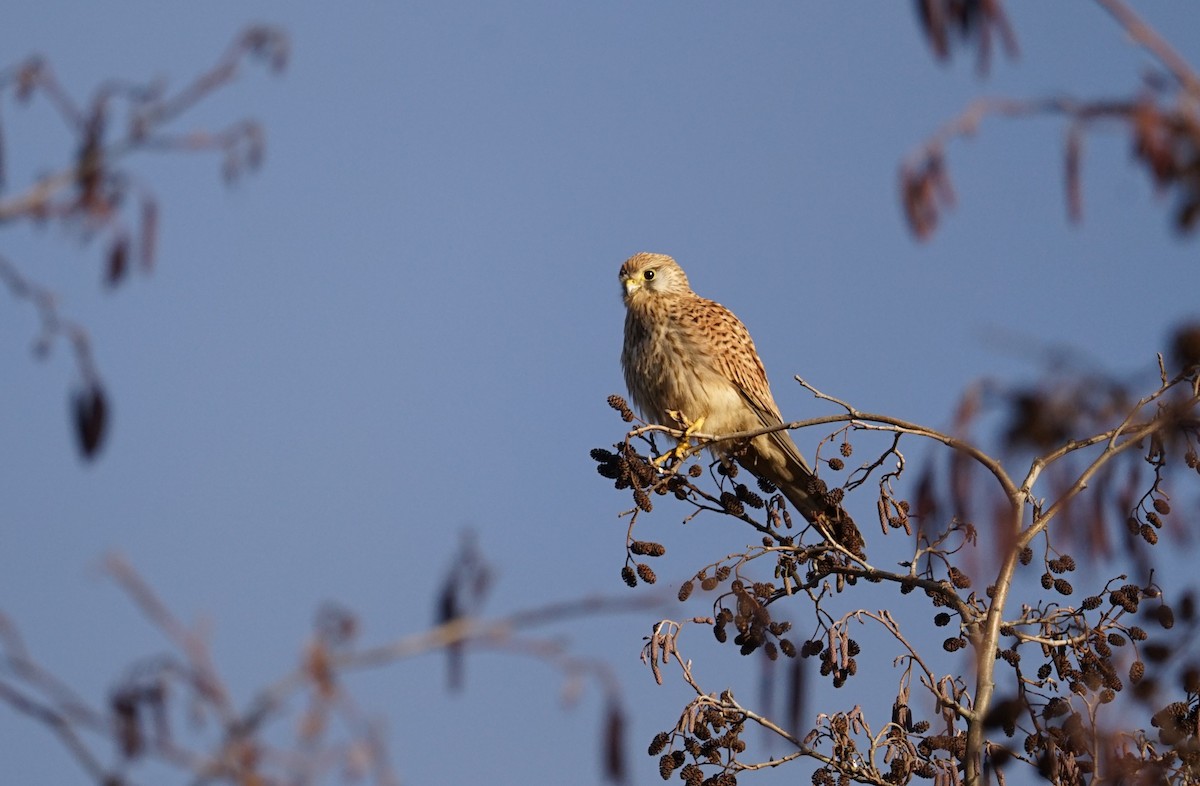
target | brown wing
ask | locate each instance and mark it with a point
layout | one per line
(735, 356)
(779, 460)
(738, 360)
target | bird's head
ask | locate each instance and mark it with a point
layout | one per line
(646, 276)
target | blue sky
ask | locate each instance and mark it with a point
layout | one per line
(405, 326)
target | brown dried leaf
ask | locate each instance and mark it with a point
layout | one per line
(797, 694)
(991, 20)
(1000, 21)
(90, 408)
(1185, 346)
(124, 707)
(933, 22)
(118, 261)
(614, 743)
(1188, 215)
(918, 208)
(1072, 163)
(924, 190)
(1151, 142)
(927, 502)
(448, 610)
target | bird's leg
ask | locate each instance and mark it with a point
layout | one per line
(684, 447)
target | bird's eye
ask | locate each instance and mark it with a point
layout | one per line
(648, 275)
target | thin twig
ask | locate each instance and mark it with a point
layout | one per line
(1151, 41)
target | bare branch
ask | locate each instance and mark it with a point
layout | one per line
(1148, 38)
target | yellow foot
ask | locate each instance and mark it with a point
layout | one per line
(683, 448)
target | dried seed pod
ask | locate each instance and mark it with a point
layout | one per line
(666, 766)
(749, 497)
(647, 548)
(90, 407)
(659, 743)
(617, 403)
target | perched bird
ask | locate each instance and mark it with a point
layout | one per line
(688, 359)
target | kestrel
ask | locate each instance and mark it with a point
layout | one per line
(689, 359)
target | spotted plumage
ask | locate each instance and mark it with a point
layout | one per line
(687, 354)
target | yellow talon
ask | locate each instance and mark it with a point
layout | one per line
(694, 427)
(683, 448)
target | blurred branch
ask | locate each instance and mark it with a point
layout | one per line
(62, 727)
(52, 323)
(138, 718)
(1148, 38)
(91, 191)
(1163, 126)
(1123, 437)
